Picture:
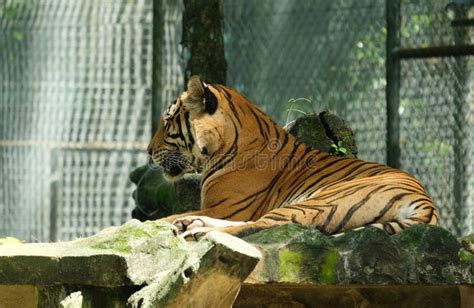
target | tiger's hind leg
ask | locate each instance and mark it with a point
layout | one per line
(423, 213)
(321, 218)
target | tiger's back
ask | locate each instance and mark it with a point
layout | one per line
(256, 175)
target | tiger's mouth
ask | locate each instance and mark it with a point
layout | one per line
(173, 164)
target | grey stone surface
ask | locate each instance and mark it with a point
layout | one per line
(148, 254)
(210, 278)
(422, 254)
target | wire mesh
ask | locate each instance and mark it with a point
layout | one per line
(75, 79)
(331, 52)
(430, 23)
(172, 72)
(76, 82)
(437, 108)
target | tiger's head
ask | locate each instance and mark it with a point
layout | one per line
(193, 129)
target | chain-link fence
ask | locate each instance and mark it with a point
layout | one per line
(76, 89)
(75, 79)
(437, 105)
(334, 54)
(330, 52)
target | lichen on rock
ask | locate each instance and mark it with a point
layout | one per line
(419, 255)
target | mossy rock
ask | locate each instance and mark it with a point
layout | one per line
(419, 255)
(154, 196)
(295, 253)
(434, 255)
(326, 132)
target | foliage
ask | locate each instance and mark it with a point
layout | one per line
(339, 149)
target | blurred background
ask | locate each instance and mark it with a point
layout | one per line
(82, 83)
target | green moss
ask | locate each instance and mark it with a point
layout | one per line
(448, 275)
(277, 234)
(290, 266)
(120, 242)
(329, 267)
(465, 256)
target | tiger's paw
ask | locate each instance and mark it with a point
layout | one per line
(189, 223)
(196, 234)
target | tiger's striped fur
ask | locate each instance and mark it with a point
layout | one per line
(256, 175)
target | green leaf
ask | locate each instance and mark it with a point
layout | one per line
(17, 35)
(343, 150)
(10, 12)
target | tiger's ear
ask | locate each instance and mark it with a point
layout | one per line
(198, 98)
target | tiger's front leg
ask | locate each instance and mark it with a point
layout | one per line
(188, 223)
(195, 227)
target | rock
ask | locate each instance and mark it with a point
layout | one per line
(434, 255)
(300, 254)
(212, 278)
(371, 256)
(294, 253)
(188, 194)
(167, 269)
(467, 242)
(129, 254)
(326, 132)
(154, 196)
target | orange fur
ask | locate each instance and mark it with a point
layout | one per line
(256, 172)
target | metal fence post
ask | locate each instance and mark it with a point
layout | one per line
(460, 146)
(392, 11)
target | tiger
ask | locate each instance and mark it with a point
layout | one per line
(256, 175)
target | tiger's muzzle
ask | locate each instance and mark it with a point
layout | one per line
(173, 163)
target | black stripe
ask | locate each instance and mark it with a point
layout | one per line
(300, 182)
(257, 119)
(278, 176)
(329, 218)
(390, 230)
(308, 177)
(275, 217)
(388, 206)
(240, 209)
(226, 158)
(222, 89)
(217, 203)
(419, 200)
(188, 127)
(234, 111)
(354, 209)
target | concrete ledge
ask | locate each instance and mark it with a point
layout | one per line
(142, 264)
